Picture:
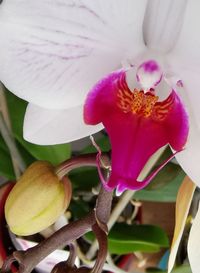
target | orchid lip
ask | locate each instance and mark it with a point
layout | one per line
(137, 122)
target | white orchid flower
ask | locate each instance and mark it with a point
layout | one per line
(53, 52)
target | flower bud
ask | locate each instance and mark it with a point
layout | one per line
(37, 199)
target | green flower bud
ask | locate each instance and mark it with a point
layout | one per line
(37, 199)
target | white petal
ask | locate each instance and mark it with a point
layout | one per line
(50, 126)
(188, 43)
(189, 159)
(185, 61)
(162, 23)
(193, 244)
(53, 52)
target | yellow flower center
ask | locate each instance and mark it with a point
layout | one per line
(137, 102)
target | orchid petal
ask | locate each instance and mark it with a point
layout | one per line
(50, 126)
(52, 52)
(183, 202)
(193, 244)
(137, 124)
(189, 158)
(185, 62)
(186, 50)
(162, 23)
(190, 92)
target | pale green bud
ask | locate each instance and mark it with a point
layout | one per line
(37, 199)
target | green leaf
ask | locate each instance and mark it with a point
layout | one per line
(84, 178)
(182, 269)
(103, 143)
(27, 157)
(79, 208)
(171, 177)
(165, 185)
(53, 153)
(124, 239)
(6, 167)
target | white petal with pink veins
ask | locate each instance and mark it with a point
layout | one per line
(53, 52)
(51, 126)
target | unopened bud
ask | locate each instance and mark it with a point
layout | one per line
(37, 199)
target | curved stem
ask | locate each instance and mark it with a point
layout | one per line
(103, 206)
(103, 246)
(30, 258)
(123, 201)
(72, 255)
(78, 162)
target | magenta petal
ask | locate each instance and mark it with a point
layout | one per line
(142, 184)
(135, 133)
(176, 122)
(100, 101)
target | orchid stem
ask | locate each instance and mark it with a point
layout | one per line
(77, 162)
(124, 200)
(103, 246)
(72, 254)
